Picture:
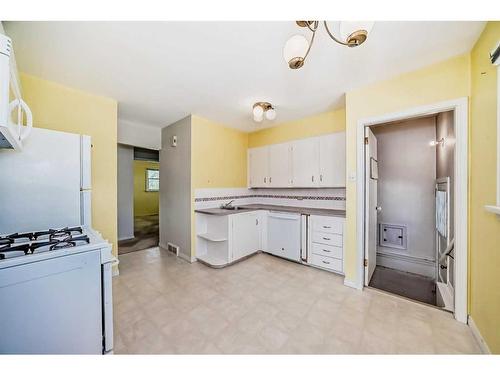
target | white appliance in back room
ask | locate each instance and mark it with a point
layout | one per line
(55, 270)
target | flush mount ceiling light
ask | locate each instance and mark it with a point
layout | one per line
(261, 109)
(352, 34)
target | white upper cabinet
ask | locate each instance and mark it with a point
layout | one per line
(258, 167)
(280, 165)
(305, 162)
(310, 162)
(332, 160)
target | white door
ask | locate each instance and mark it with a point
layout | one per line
(371, 209)
(279, 165)
(305, 162)
(332, 160)
(258, 169)
(246, 236)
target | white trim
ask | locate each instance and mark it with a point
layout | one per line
(407, 263)
(460, 106)
(352, 284)
(185, 257)
(126, 238)
(492, 208)
(477, 335)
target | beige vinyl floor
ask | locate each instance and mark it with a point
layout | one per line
(267, 305)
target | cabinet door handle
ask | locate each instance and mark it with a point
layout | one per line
(326, 238)
(270, 179)
(265, 179)
(312, 178)
(321, 177)
(256, 221)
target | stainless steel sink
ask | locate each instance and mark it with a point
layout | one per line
(232, 208)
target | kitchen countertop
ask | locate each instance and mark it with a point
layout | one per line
(270, 207)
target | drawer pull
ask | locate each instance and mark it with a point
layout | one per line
(327, 239)
(324, 261)
(326, 251)
(326, 227)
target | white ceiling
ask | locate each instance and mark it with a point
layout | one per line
(162, 71)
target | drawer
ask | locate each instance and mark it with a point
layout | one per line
(328, 263)
(327, 224)
(327, 238)
(327, 250)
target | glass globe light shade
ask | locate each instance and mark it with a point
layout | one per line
(258, 118)
(294, 51)
(258, 111)
(271, 114)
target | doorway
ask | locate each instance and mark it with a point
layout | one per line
(422, 256)
(138, 198)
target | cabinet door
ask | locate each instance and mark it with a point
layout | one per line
(332, 160)
(279, 165)
(258, 167)
(246, 234)
(305, 163)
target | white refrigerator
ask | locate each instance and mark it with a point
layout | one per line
(47, 184)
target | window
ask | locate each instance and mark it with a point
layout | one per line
(152, 180)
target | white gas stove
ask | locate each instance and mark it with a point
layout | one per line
(56, 292)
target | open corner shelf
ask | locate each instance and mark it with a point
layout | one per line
(213, 237)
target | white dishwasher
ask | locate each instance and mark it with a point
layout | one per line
(283, 235)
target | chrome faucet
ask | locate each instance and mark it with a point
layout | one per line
(227, 205)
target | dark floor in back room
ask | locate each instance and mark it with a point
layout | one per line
(406, 284)
(146, 232)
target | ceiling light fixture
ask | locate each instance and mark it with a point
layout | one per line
(352, 34)
(261, 109)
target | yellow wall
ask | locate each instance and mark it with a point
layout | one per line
(484, 227)
(443, 81)
(323, 123)
(218, 160)
(218, 155)
(65, 109)
(145, 202)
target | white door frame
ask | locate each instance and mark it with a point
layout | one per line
(460, 106)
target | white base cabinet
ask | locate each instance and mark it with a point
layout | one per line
(326, 245)
(245, 234)
(222, 240)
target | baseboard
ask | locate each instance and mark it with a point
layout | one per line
(477, 335)
(351, 284)
(187, 258)
(183, 256)
(407, 263)
(126, 238)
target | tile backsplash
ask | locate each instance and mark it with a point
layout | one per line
(314, 198)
